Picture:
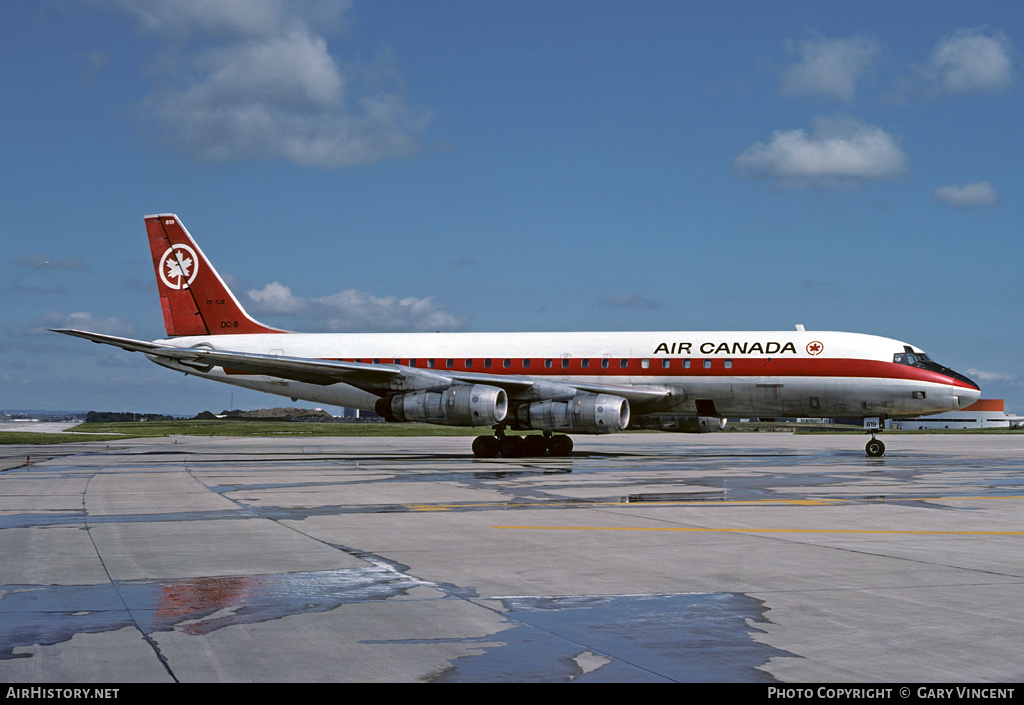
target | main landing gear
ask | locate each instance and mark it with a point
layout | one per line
(521, 446)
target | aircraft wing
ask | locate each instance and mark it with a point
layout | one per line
(376, 378)
(314, 371)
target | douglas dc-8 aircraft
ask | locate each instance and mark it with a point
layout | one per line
(584, 383)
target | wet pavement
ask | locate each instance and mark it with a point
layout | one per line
(643, 558)
(705, 638)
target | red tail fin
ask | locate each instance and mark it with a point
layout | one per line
(194, 299)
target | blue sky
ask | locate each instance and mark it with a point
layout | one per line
(463, 165)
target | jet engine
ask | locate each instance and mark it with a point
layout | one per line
(584, 413)
(458, 405)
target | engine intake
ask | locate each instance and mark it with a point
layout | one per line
(458, 405)
(584, 413)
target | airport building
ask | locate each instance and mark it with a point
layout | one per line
(984, 413)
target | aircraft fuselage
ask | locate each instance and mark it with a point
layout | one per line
(775, 373)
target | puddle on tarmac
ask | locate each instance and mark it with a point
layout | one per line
(50, 614)
(689, 638)
(636, 638)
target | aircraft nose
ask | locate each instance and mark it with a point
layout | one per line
(968, 396)
(966, 389)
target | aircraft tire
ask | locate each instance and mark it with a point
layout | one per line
(535, 446)
(485, 447)
(511, 447)
(560, 446)
(875, 448)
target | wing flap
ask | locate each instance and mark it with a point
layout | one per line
(635, 395)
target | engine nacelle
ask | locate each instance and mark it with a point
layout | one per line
(459, 405)
(681, 424)
(584, 413)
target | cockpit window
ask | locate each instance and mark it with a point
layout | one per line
(911, 358)
(921, 361)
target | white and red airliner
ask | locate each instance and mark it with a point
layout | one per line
(584, 383)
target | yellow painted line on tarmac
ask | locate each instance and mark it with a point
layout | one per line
(577, 504)
(820, 502)
(915, 532)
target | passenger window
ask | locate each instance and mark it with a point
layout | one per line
(665, 364)
(506, 363)
(430, 362)
(450, 364)
(469, 363)
(604, 363)
(645, 363)
(565, 363)
(584, 364)
(526, 363)
(707, 364)
(624, 363)
(487, 362)
(686, 364)
(548, 363)
(728, 364)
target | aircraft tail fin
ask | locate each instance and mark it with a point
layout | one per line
(193, 297)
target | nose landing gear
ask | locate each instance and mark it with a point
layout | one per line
(875, 448)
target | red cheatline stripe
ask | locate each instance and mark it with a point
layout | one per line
(740, 367)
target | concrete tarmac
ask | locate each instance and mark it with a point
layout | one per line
(645, 557)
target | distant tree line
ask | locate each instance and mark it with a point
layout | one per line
(121, 416)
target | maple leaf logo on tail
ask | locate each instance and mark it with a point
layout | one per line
(176, 267)
(178, 270)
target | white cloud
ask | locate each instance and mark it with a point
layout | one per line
(255, 80)
(989, 376)
(973, 195)
(354, 311)
(830, 67)
(840, 152)
(293, 70)
(971, 60)
(276, 298)
(183, 19)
